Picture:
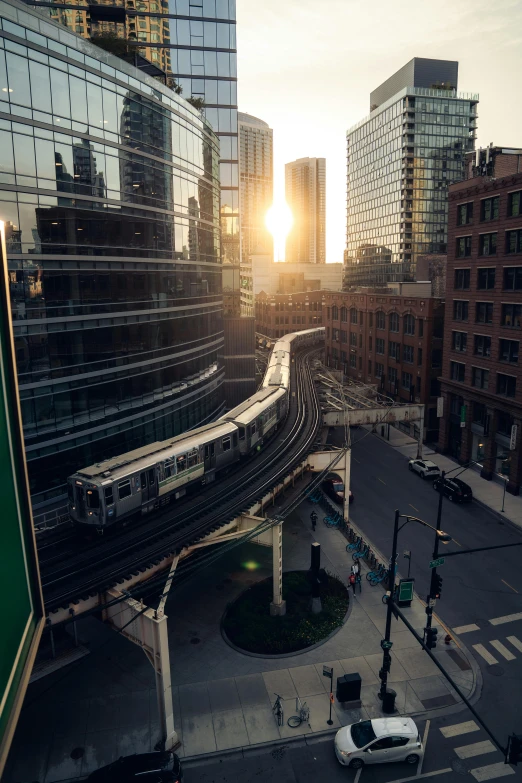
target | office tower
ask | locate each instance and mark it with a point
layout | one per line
(192, 44)
(305, 183)
(256, 190)
(400, 161)
(111, 200)
(481, 378)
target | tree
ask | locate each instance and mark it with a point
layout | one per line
(111, 42)
(197, 102)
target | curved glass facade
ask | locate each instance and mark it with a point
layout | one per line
(109, 186)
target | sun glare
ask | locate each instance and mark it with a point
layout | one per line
(279, 220)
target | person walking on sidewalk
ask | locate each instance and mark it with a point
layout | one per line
(355, 568)
(313, 518)
(352, 580)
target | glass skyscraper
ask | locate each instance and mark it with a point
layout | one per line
(110, 193)
(400, 161)
(305, 191)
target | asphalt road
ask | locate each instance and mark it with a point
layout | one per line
(449, 757)
(476, 588)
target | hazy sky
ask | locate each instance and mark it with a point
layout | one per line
(308, 67)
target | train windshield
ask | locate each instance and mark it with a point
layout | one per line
(93, 498)
(70, 494)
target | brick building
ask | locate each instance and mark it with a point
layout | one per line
(280, 314)
(393, 341)
(482, 379)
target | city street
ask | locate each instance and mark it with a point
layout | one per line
(477, 589)
(455, 747)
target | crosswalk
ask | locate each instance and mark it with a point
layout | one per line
(499, 648)
(489, 771)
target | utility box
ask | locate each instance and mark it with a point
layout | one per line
(349, 687)
(405, 594)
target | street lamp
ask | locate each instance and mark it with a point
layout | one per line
(386, 643)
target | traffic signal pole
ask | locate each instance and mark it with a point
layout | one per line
(385, 643)
(429, 607)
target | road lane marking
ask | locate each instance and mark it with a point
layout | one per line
(485, 654)
(355, 458)
(508, 585)
(424, 775)
(413, 507)
(502, 650)
(455, 542)
(475, 749)
(358, 775)
(459, 728)
(424, 743)
(515, 642)
(507, 618)
(498, 770)
(466, 629)
(382, 482)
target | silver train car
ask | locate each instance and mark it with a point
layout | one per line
(138, 482)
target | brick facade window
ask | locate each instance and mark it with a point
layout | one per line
(408, 354)
(335, 313)
(380, 320)
(484, 312)
(463, 249)
(488, 244)
(511, 316)
(419, 357)
(512, 278)
(394, 322)
(459, 341)
(379, 369)
(409, 324)
(460, 310)
(353, 339)
(407, 379)
(508, 351)
(343, 335)
(353, 361)
(353, 316)
(479, 378)
(462, 279)
(457, 371)
(482, 345)
(514, 241)
(506, 385)
(515, 204)
(379, 345)
(485, 279)
(394, 350)
(344, 314)
(464, 213)
(489, 208)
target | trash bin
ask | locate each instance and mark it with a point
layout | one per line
(388, 702)
(349, 687)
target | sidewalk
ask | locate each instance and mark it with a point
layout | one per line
(104, 706)
(487, 493)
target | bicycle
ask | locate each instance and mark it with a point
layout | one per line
(371, 575)
(378, 579)
(355, 545)
(361, 553)
(278, 711)
(303, 715)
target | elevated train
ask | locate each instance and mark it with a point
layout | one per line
(141, 480)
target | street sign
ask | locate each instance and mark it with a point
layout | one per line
(405, 590)
(432, 602)
(513, 439)
(386, 645)
(328, 671)
(436, 563)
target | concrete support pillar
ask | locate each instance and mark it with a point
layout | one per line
(466, 446)
(515, 473)
(444, 425)
(346, 479)
(421, 434)
(161, 665)
(278, 606)
(490, 449)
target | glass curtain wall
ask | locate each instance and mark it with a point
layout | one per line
(109, 186)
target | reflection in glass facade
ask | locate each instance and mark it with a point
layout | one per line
(400, 161)
(109, 186)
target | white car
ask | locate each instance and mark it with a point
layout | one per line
(424, 468)
(377, 741)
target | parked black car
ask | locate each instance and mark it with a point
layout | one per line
(160, 767)
(455, 489)
(334, 488)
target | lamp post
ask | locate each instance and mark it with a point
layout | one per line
(386, 644)
(504, 493)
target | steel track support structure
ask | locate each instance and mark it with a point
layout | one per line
(278, 606)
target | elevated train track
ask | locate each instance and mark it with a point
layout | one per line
(93, 568)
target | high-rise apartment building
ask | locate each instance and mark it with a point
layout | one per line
(400, 161)
(194, 43)
(305, 190)
(256, 190)
(110, 194)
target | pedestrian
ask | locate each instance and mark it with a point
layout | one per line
(352, 582)
(355, 568)
(313, 517)
(358, 581)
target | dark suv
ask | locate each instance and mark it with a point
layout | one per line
(454, 489)
(160, 767)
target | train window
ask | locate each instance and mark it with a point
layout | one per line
(226, 443)
(253, 428)
(109, 496)
(70, 494)
(152, 477)
(241, 433)
(124, 489)
(143, 477)
(181, 462)
(234, 439)
(93, 498)
(193, 459)
(170, 468)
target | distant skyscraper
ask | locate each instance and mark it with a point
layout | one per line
(256, 189)
(400, 161)
(305, 183)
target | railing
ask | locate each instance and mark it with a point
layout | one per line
(51, 519)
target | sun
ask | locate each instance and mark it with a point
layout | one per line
(279, 220)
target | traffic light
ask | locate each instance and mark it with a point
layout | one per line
(514, 751)
(436, 585)
(431, 638)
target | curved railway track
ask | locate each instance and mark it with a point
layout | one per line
(103, 564)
